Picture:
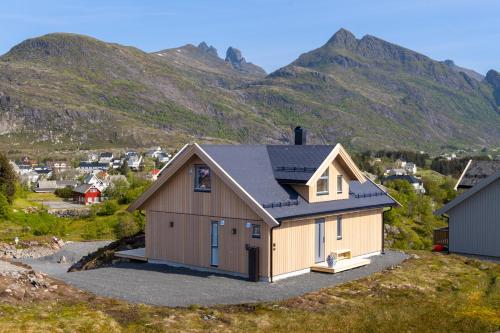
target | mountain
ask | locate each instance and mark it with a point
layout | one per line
(373, 94)
(71, 91)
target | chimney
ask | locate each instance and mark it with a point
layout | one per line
(300, 135)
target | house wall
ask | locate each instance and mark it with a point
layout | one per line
(334, 170)
(188, 241)
(294, 241)
(474, 226)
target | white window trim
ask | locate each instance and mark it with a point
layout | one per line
(341, 178)
(327, 178)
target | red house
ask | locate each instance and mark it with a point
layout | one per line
(86, 194)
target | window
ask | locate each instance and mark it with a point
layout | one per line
(255, 231)
(339, 184)
(322, 184)
(202, 178)
(339, 227)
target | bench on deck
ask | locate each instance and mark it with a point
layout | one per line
(345, 261)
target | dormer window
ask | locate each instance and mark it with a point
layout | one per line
(202, 181)
(339, 184)
(322, 184)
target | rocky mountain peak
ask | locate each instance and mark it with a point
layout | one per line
(234, 57)
(493, 78)
(343, 39)
(208, 49)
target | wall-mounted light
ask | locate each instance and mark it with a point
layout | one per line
(171, 224)
(221, 222)
(248, 225)
(233, 231)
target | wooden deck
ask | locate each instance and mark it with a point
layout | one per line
(342, 265)
(135, 254)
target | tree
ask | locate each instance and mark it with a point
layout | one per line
(124, 169)
(5, 209)
(126, 226)
(7, 178)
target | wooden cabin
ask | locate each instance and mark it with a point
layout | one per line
(270, 211)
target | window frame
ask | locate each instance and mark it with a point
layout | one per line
(196, 180)
(340, 188)
(339, 227)
(254, 234)
(323, 178)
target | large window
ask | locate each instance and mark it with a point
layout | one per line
(339, 184)
(202, 178)
(322, 184)
(339, 227)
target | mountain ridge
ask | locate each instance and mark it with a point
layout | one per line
(365, 93)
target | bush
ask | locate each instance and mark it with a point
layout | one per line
(107, 208)
(5, 209)
(126, 226)
(65, 193)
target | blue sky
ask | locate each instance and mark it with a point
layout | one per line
(270, 33)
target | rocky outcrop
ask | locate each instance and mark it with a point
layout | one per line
(238, 62)
(493, 79)
(210, 50)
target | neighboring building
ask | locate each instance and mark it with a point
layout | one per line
(91, 167)
(93, 157)
(116, 163)
(153, 174)
(58, 165)
(106, 158)
(134, 162)
(272, 211)
(410, 168)
(92, 179)
(396, 172)
(49, 186)
(153, 153)
(86, 194)
(417, 183)
(43, 172)
(474, 219)
(163, 157)
(476, 171)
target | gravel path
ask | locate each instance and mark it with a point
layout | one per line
(170, 286)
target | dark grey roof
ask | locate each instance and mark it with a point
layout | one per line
(477, 171)
(83, 188)
(410, 179)
(94, 165)
(251, 167)
(296, 163)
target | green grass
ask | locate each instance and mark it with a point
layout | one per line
(434, 293)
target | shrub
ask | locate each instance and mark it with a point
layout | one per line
(107, 208)
(126, 226)
(65, 193)
(5, 209)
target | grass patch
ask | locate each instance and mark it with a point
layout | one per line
(453, 293)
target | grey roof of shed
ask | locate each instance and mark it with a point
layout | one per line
(476, 172)
(469, 193)
(251, 167)
(83, 188)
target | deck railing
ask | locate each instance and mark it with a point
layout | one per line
(441, 236)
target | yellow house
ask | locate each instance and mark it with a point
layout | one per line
(261, 211)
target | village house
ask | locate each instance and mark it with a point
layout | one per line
(473, 219)
(93, 179)
(417, 183)
(87, 194)
(263, 211)
(106, 158)
(153, 174)
(58, 166)
(49, 186)
(410, 168)
(88, 167)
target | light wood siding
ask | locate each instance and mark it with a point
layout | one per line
(188, 241)
(335, 168)
(177, 195)
(295, 240)
(475, 223)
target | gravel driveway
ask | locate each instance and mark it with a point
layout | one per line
(170, 286)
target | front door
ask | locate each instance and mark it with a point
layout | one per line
(320, 240)
(214, 243)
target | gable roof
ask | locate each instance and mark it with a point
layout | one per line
(248, 170)
(409, 178)
(83, 188)
(475, 172)
(469, 193)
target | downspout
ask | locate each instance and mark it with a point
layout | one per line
(271, 249)
(383, 229)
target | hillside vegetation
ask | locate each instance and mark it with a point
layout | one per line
(72, 91)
